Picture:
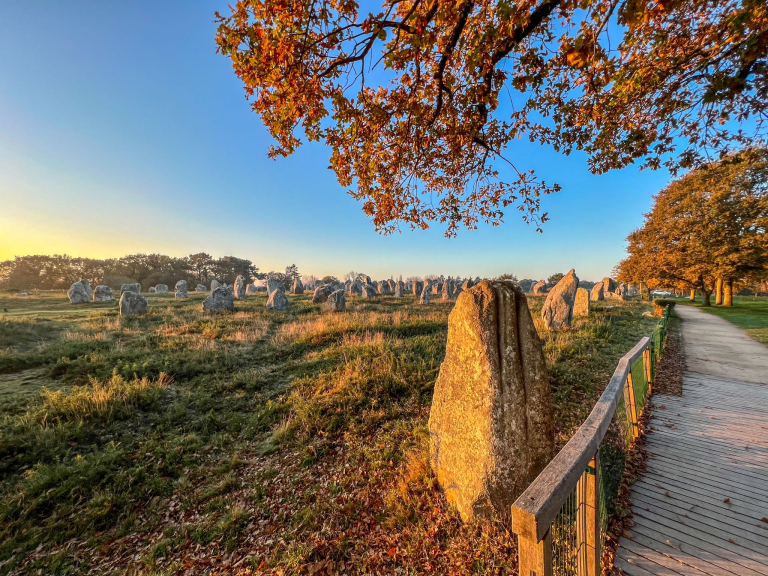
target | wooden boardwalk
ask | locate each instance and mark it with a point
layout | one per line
(702, 506)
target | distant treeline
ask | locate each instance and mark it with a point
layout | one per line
(60, 271)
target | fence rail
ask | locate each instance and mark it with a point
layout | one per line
(561, 519)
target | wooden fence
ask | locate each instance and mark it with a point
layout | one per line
(560, 520)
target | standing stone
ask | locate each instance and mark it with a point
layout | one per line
(609, 285)
(384, 288)
(418, 286)
(399, 287)
(201, 288)
(152, 290)
(80, 292)
(539, 288)
(424, 298)
(447, 291)
(321, 293)
(298, 287)
(319, 283)
(369, 292)
(356, 289)
(181, 290)
(161, 289)
(102, 294)
(467, 285)
(220, 299)
(337, 301)
(251, 289)
(239, 287)
(215, 284)
(558, 307)
(132, 303)
(581, 303)
(491, 423)
(277, 300)
(131, 287)
(274, 284)
(597, 293)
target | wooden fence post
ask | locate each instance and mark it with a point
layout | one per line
(629, 400)
(647, 364)
(534, 558)
(588, 521)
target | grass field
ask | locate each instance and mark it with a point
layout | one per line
(749, 313)
(256, 441)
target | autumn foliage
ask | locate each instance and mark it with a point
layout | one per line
(419, 99)
(707, 226)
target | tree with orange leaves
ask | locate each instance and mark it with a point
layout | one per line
(409, 95)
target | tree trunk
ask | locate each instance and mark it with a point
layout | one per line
(719, 291)
(693, 294)
(705, 294)
(728, 294)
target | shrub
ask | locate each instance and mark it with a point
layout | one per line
(660, 303)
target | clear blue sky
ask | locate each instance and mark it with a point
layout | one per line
(122, 131)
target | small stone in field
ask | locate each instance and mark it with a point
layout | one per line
(181, 290)
(298, 287)
(133, 304)
(539, 288)
(152, 289)
(558, 307)
(581, 303)
(597, 293)
(102, 294)
(337, 301)
(201, 288)
(219, 300)
(277, 300)
(131, 287)
(80, 292)
(161, 289)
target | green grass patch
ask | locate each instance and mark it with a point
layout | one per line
(750, 313)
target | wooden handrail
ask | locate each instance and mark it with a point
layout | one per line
(536, 508)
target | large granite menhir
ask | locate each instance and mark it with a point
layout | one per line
(557, 311)
(491, 423)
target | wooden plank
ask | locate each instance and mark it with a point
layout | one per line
(696, 461)
(704, 484)
(538, 505)
(631, 569)
(714, 470)
(671, 558)
(653, 466)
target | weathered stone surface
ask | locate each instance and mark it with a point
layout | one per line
(220, 299)
(418, 286)
(215, 284)
(131, 287)
(384, 288)
(337, 301)
(399, 288)
(321, 293)
(277, 300)
(581, 303)
(319, 283)
(540, 288)
(558, 307)
(133, 304)
(161, 288)
(369, 292)
(273, 284)
(612, 296)
(251, 289)
(298, 287)
(102, 294)
(79, 292)
(447, 291)
(467, 285)
(356, 289)
(181, 290)
(152, 290)
(425, 298)
(609, 285)
(597, 293)
(238, 288)
(491, 423)
(368, 280)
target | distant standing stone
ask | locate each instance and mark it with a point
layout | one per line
(467, 285)
(356, 289)
(239, 287)
(251, 289)
(181, 290)
(399, 287)
(79, 292)
(609, 285)
(491, 424)
(447, 292)
(277, 300)
(152, 290)
(337, 301)
(298, 287)
(161, 288)
(418, 287)
(558, 307)
(201, 288)
(424, 298)
(539, 288)
(369, 292)
(581, 304)
(215, 284)
(220, 299)
(132, 304)
(597, 293)
(131, 287)
(273, 284)
(102, 293)
(321, 293)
